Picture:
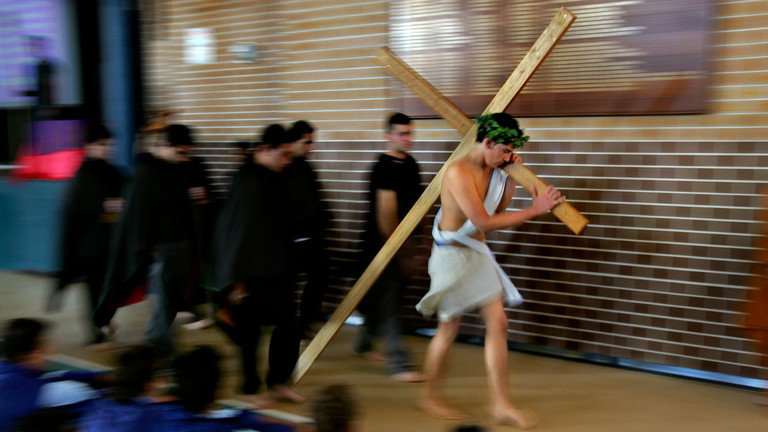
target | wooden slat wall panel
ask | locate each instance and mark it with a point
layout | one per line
(225, 101)
(659, 275)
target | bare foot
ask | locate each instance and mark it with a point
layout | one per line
(408, 377)
(104, 340)
(439, 409)
(521, 419)
(373, 356)
(282, 391)
(761, 400)
(258, 401)
(108, 330)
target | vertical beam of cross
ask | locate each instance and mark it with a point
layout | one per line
(557, 27)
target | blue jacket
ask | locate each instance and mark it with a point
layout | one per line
(177, 419)
(108, 415)
(23, 391)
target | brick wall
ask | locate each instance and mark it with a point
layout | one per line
(660, 274)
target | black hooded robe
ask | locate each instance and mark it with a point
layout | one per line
(87, 227)
(156, 228)
(252, 245)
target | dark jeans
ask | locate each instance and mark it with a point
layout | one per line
(381, 308)
(311, 258)
(169, 278)
(269, 302)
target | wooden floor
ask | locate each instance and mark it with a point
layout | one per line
(566, 395)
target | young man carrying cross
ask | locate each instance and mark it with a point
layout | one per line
(464, 273)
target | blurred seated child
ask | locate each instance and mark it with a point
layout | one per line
(334, 409)
(128, 405)
(197, 380)
(27, 391)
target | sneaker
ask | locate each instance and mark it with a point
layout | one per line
(185, 315)
(408, 377)
(199, 325)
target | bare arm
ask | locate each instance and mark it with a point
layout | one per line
(386, 212)
(460, 183)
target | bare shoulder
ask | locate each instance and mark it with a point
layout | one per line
(457, 171)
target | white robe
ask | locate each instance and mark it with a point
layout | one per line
(464, 278)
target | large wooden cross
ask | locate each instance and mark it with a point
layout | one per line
(522, 74)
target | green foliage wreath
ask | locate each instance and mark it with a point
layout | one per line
(492, 130)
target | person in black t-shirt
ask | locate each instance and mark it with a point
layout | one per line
(395, 186)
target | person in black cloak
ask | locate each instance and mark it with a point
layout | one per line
(91, 207)
(154, 242)
(312, 219)
(252, 251)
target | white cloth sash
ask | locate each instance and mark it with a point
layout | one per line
(462, 236)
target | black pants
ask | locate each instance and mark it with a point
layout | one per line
(381, 307)
(93, 271)
(311, 258)
(269, 302)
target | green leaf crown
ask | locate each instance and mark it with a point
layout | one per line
(491, 129)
